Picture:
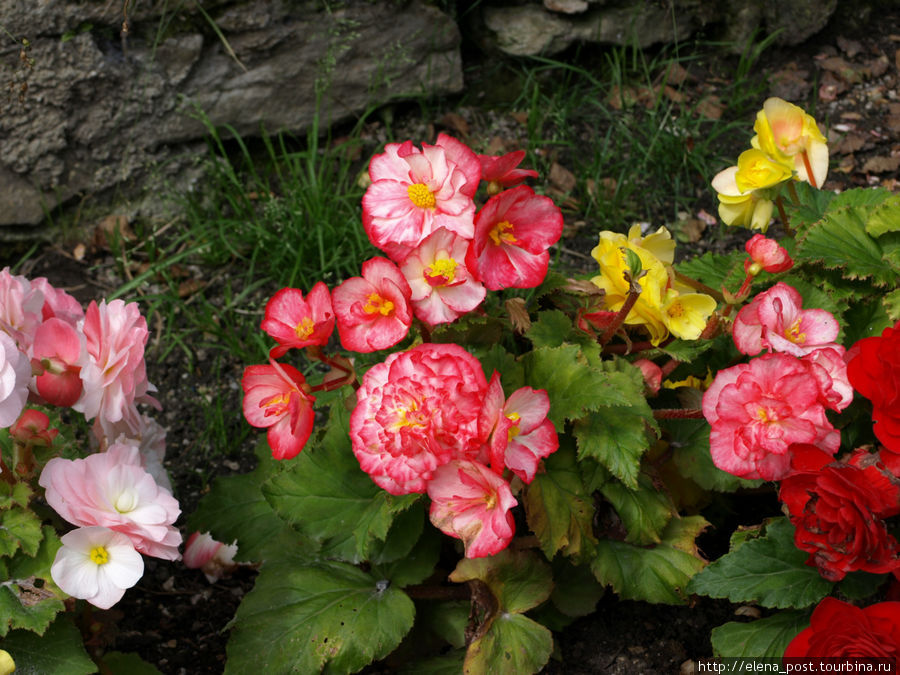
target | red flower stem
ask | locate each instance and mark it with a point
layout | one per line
(793, 190)
(781, 214)
(6, 474)
(745, 286)
(669, 366)
(678, 414)
(711, 327)
(699, 286)
(634, 292)
(809, 172)
(635, 347)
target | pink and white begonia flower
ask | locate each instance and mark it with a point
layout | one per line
(373, 310)
(58, 350)
(472, 503)
(20, 308)
(58, 303)
(96, 564)
(150, 440)
(828, 367)
(512, 234)
(757, 410)
(500, 171)
(111, 489)
(766, 255)
(415, 411)
(442, 288)
(114, 372)
(277, 397)
(520, 433)
(211, 557)
(15, 375)
(414, 192)
(774, 320)
(294, 322)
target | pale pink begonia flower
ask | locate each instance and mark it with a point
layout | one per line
(442, 288)
(774, 320)
(500, 171)
(415, 411)
(20, 308)
(58, 303)
(295, 322)
(520, 433)
(766, 254)
(114, 372)
(414, 192)
(211, 557)
(757, 410)
(96, 564)
(15, 375)
(111, 489)
(373, 310)
(512, 234)
(277, 397)
(472, 503)
(149, 438)
(58, 350)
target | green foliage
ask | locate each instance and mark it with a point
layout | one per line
(769, 571)
(58, 650)
(763, 638)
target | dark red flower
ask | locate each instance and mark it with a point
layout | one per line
(839, 629)
(874, 371)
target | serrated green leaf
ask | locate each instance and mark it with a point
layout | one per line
(19, 493)
(644, 511)
(512, 375)
(558, 508)
(866, 319)
(716, 270)
(300, 617)
(513, 645)
(59, 651)
(769, 571)
(122, 663)
(19, 528)
(764, 638)
(891, 303)
(418, 559)
(236, 510)
(655, 574)
(575, 591)
(689, 440)
(574, 387)
(550, 329)
(328, 498)
(885, 217)
(840, 241)
(866, 197)
(861, 585)
(812, 206)
(472, 330)
(519, 580)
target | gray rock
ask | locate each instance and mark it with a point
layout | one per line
(100, 110)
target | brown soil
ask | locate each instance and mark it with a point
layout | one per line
(177, 621)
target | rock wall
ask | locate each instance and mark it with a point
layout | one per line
(97, 93)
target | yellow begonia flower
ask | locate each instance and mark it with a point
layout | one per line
(756, 171)
(686, 314)
(738, 208)
(660, 243)
(7, 665)
(691, 381)
(788, 134)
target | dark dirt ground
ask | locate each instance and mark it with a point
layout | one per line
(175, 620)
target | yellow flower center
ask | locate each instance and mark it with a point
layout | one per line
(442, 270)
(490, 501)
(793, 333)
(99, 555)
(502, 232)
(763, 416)
(421, 196)
(513, 431)
(375, 304)
(675, 310)
(305, 328)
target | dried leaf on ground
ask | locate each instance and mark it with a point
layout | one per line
(790, 83)
(710, 107)
(456, 122)
(881, 164)
(561, 177)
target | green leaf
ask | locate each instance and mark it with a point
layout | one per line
(29, 599)
(500, 360)
(328, 498)
(716, 270)
(655, 574)
(885, 217)
(769, 571)
(574, 387)
(644, 511)
(512, 645)
(451, 663)
(840, 241)
(550, 329)
(19, 528)
(689, 440)
(575, 592)
(558, 508)
(519, 580)
(891, 302)
(861, 585)
(121, 663)
(418, 559)
(300, 617)
(812, 206)
(236, 510)
(19, 493)
(867, 319)
(866, 197)
(767, 637)
(59, 651)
